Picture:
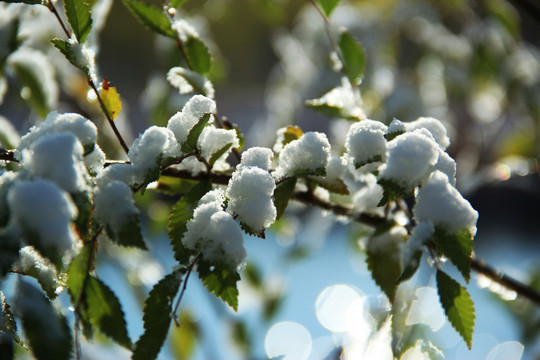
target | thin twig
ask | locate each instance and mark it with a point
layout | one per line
(51, 7)
(184, 287)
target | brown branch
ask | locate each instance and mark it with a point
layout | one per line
(51, 7)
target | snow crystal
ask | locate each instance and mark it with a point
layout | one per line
(9, 137)
(42, 208)
(366, 142)
(309, 153)
(57, 157)
(114, 205)
(216, 235)
(151, 149)
(410, 158)
(250, 193)
(76, 124)
(434, 126)
(440, 204)
(187, 81)
(396, 126)
(212, 140)
(257, 156)
(183, 121)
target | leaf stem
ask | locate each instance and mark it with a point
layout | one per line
(51, 7)
(184, 287)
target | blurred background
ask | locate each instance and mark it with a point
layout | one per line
(475, 65)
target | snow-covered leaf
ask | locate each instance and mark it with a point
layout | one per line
(78, 14)
(354, 59)
(157, 316)
(151, 17)
(180, 214)
(48, 334)
(67, 50)
(111, 99)
(392, 191)
(194, 134)
(128, 233)
(384, 257)
(221, 281)
(376, 158)
(187, 81)
(7, 321)
(392, 135)
(457, 305)
(36, 266)
(330, 109)
(328, 6)
(457, 247)
(215, 156)
(198, 56)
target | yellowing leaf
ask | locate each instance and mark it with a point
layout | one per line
(111, 100)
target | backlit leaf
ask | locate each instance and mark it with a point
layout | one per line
(282, 194)
(194, 133)
(157, 316)
(111, 100)
(67, 50)
(78, 14)
(215, 156)
(457, 305)
(129, 233)
(354, 59)
(221, 281)
(328, 6)
(392, 191)
(198, 56)
(457, 248)
(151, 17)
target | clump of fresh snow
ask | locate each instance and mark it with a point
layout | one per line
(439, 203)
(84, 57)
(32, 262)
(151, 149)
(434, 126)
(395, 127)
(344, 97)
(213, 139)
(421, 233)
(193, 166)
(188, 81)
(309, 153)
(366, 199)
(57, 157)
(42, 208)
(447, 165)
(183, 121)
(214, 233)
(250, 193)
(411, 156)
(114, 205)
(257, 156)
(54, 123)
(366, 142)
(94, 161)
(116, 172)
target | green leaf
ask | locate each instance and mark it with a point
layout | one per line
(198, 56)
(392, 191)
(282, 194)
(336, 185)
(329, 109)
(376, 158)
(7, 321)
(194, 133)
(37, 92)
(310, 172)
(10, 43)
(151, 17)
(129, 233)
(78, 271)
(354, 59)
(69, 52)
(157, 316)
(176, 3)
(105, 312)
(457, 247)
(180, 214)
(411, 267)
(393, 135)
(47, 332)
(215, 156)
(384, 259)
(457, 305)
(174, 186)
(221, 281)
(111, 100)
(328, 6)
(78, 14)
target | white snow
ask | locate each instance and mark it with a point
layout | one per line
(212, 140)
(434, 126)
(368, 197)
(213, 196)
(151, 149)
(447, 165)
(114, 205)
(85, 58)
(187, 81)
(250, 193)
(42, 208)
(365, 141)
(410, 158)
(94, 161)
(396, 126)
(260, 157)
(345, 98)
(54, 123)
(309, 153)
(440, 204)
(183, 121)
(215, 234)
(57, 157)
(31, 261)
(116, 172)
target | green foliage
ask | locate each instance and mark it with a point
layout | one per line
(457, 247)
(78, 14)
(7, 321)
(376, 158)
(457, 305)
(215, 156)
(176, 3)
(151, 17)
(221, 281)
(67, 49)
(193, 136)
(184, 338)
(10, 31)
(303, 172)
(180, 214)
(282, 194)
(198, 56)
(129, 233)
(354, 59)
(328, 6)
(157, 316)
(384, 258)
(392, 191)
(37, 92)
(48, 334)
(393, 135)
(411, 267)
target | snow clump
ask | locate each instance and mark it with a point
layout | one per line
(183, 121)
(256, 156)
(212, 140)
(307, 155)
(366, 142)
(214, 233)
(441, 204)
(434, 126)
